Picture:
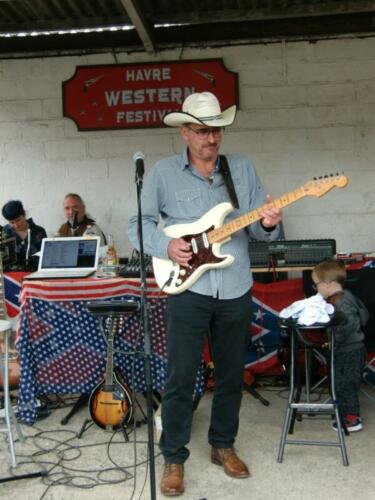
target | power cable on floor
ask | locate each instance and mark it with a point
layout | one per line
(58, 472)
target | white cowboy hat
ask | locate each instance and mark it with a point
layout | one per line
(202, 108)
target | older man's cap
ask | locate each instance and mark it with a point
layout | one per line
(13, 209)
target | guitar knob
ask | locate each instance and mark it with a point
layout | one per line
(178, 281)
(182, 272)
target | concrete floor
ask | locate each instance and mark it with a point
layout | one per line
(307, 472)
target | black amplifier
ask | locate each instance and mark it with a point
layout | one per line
(289, 253)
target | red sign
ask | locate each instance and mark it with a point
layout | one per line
(139, 95)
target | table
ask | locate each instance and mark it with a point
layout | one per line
(62, 350)
(61, 347)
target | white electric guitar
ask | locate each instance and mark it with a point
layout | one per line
(207, 234)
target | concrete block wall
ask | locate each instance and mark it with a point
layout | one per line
(306, 109)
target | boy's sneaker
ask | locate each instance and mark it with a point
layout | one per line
(353, 424)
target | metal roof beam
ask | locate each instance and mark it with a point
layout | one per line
(144, 30)
(202, 12)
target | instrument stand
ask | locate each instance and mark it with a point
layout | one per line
(84, 398)
(147, 338)
(89, 423)
(81, 401)
(250, 389)
(86, 424)
(31, 475)
(112, 310)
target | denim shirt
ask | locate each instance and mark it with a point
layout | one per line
(174, 192)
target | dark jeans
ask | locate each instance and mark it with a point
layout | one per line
(190, 317)
(348, 376)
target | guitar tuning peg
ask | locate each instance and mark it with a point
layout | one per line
(315, 178)
(337, 174)
(326, 176)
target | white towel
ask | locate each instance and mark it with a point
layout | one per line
(315, 309)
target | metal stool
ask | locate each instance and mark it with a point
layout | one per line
(9, 416)
(295, 407)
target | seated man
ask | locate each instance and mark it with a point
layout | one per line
(77, 219)
(27, 234)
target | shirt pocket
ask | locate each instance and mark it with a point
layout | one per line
(189, 203)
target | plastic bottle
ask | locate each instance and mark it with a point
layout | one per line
(111, 252)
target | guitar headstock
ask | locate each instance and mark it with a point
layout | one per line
(320, 186)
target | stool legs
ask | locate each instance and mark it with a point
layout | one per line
(295, 407)
(336, 406)
(293, 396)
(9, 416)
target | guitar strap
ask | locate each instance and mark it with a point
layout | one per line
(228, 181)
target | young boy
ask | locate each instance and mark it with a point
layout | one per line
(328, 279)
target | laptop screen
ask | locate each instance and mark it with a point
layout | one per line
(69, 253)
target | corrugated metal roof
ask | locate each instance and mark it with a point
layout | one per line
(18, 15)
(203, 22)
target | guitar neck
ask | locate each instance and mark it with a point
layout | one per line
(223, 232)
(109, 364)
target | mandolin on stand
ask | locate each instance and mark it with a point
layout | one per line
(110, 403)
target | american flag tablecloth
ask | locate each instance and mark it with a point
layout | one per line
(61, 347)
(62, 350)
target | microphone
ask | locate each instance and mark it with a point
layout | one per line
(138, 159)
(74, 223)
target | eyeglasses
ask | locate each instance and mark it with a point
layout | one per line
(203, 133)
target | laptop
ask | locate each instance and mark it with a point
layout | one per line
(74, 257)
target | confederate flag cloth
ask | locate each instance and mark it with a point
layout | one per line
(268, 300)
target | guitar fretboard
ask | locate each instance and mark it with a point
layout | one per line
(245, 220)
(109, 365)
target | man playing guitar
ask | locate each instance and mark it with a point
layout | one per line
(181, 189)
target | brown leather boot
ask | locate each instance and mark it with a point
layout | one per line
(233, 465)
(172, 482)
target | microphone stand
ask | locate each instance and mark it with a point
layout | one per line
(74, 224)
(27, 263)
(147, 339)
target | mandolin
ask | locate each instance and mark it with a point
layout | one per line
(110, 403)
(207, 234)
